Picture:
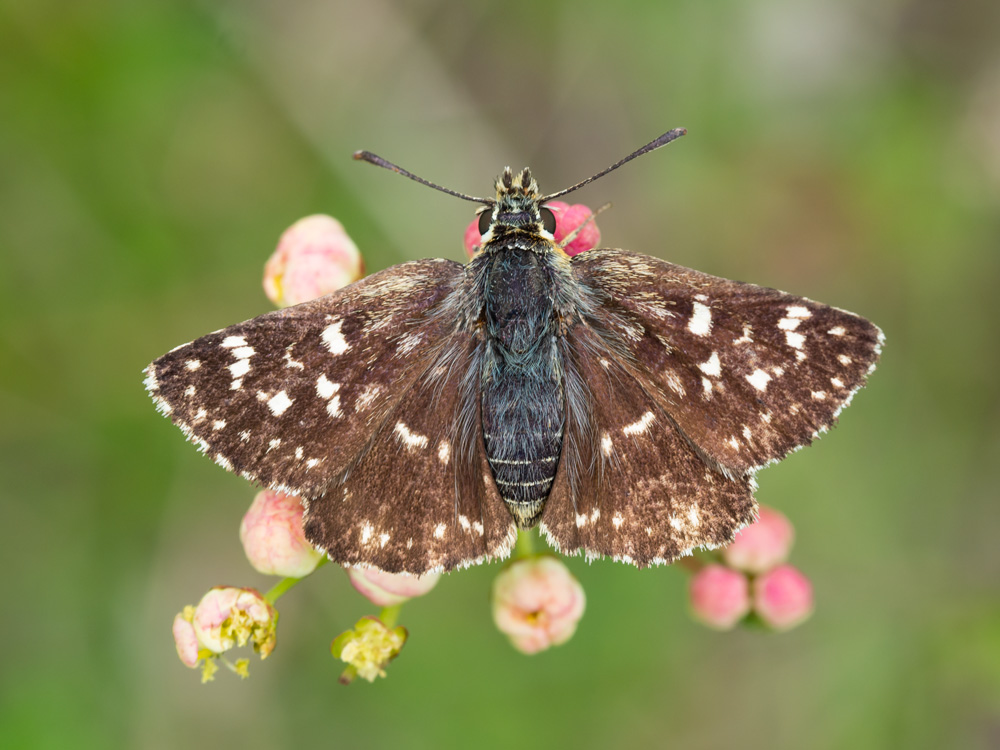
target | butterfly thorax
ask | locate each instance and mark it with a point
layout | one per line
(522, 388)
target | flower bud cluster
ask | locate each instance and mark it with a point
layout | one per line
(754, 578)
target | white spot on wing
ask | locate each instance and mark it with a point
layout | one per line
(333, 407)
(240, 368)
(706, 385)
(279, 403)
(366, 533)
(606, 444)
(759, 380)
(439, 531)
(325, 388)
(617, 520)
(637, 428)
(444, 451)
(713, 366)
(231, 342)
(193, 364)
(794, 340)
(837, 331)
(334, 339)
(410, 439)
(797, 311)
(701, 320)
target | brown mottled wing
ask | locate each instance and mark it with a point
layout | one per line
(289, 399)
(745, 372)
(421, 498)
(629, 485)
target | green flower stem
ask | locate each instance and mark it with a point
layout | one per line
(390, 615)
(525, 543)
(285, 584)
(348, 675)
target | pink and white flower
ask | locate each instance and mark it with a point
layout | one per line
(272, 537)
(185, 639)
(783, 597)
(537, 603)
(763, 544)
(720, 596)
(227, 617)
(388, 589)
(315, 256)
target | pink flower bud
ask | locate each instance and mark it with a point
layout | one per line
(271, 533)
(537, 603)
(227, 617)
(783, 597)
(315, 256)
(388, 589)
(763, 544)
(720, 597)
(568, 218)
(185, 638)
(472, 238)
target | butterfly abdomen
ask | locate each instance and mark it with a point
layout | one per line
(522, 394)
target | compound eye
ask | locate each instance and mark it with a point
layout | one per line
(548, 220)
(485, 219)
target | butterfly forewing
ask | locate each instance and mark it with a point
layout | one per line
(746, 372)
(421, 497)
(648, 497)
(290, 398)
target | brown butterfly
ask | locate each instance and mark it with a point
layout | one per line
(428, 411)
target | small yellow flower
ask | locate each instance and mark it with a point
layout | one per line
(242, 668)
(369, 647)
(208, 671)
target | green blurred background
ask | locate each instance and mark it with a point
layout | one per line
(152, 152)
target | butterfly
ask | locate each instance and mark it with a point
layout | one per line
(621, 403)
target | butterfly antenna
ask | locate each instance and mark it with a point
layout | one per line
(378, 161)
(663, 140)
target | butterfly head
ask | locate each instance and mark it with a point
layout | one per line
(517, 208)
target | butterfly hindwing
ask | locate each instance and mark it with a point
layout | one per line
(630, 486)
(747, 373)
(421, 496)
(290, 398)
